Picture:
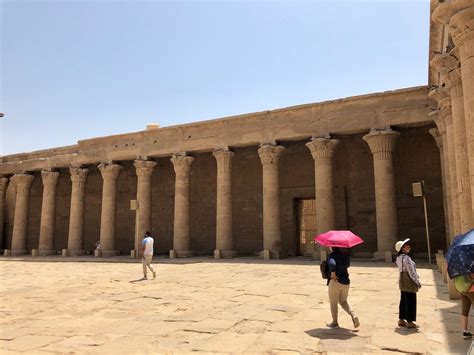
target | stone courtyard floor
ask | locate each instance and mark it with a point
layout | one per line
(244, 305)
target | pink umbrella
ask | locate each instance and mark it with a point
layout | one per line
(341, 239)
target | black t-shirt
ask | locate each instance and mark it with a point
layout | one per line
(339, 262)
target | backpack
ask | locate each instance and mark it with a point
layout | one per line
(324, 268)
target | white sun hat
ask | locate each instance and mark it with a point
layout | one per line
(399, 245)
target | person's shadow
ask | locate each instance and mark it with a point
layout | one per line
(328, 333)
(138, 280)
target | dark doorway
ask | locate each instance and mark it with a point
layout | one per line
(305, 225)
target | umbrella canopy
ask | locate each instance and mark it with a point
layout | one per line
(460, 255)
(341, 239)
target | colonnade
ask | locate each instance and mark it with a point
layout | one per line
(381, 143)
(454, 94)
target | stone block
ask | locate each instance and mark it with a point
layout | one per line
(218, 254)
(266, 254)
(439, 261)
(65, 252)
(133, 253)
(388, 257)
(7, 252)
(34, 252)
(173, 254)
(452, 291)
(444, 270)
(323, 255)
(228, 254)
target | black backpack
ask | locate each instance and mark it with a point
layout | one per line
(324, 268)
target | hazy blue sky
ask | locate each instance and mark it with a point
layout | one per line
(73, 70)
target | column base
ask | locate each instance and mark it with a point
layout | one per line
(383, 256)
(224, 254)
(184, 253)
(44, 252)
(320, 255)
(107, 253)
(19, 252)
(271, 254)
(76, 252)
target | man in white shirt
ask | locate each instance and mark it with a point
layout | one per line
(147, 250)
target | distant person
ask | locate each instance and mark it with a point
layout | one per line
(465, 285)
(147, 250)
(409, 284)
(338, 290)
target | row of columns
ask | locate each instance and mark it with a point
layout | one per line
(381, 144)
(455, 115)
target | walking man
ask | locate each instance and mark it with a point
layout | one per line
(147, 250)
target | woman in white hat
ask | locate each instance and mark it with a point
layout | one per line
(409, 283)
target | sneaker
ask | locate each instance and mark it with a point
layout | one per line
(333, 325)
(412, 325)
(467, 334)
(402, 323)
(144, 278)
(356, 322)
(154, 274)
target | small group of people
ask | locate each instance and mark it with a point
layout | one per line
(409, 284)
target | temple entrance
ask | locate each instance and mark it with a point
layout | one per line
(305, 225)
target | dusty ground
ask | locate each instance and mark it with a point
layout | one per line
(242, 305)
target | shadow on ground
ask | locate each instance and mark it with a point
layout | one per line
(326, 333)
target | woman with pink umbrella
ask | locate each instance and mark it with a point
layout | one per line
(338, 263)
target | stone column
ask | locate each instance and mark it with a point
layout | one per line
(439, 135)
(224, 228)
(322, 150)
(446, 113)
(110, 173)
(382, 145)
(270, 156)
(181, 239)
(48, 212)
(3, 189)
(453, 82)
(75, 242)
(23, 184)
(144, 169)
(459, 15)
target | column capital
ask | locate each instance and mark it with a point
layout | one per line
(109, 170)
(452, 80)
(182, 163)
(3, 183)
(462, 25)
(49, 177)
(270, 154)
(438, 93)
(382, 143)
(22, 181)
(223, 157)
(322, 147)
(144, 167)
(437, 137)
(444, 62)
(439, 121)
(78, 174)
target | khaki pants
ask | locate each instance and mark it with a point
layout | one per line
(146, 261)
(338, 294)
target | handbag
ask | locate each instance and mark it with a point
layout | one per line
(406, 283)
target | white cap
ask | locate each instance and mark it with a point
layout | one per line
(399, 245)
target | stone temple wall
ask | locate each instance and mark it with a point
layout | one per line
(416, 158)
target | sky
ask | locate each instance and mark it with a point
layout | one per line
(73, 70)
